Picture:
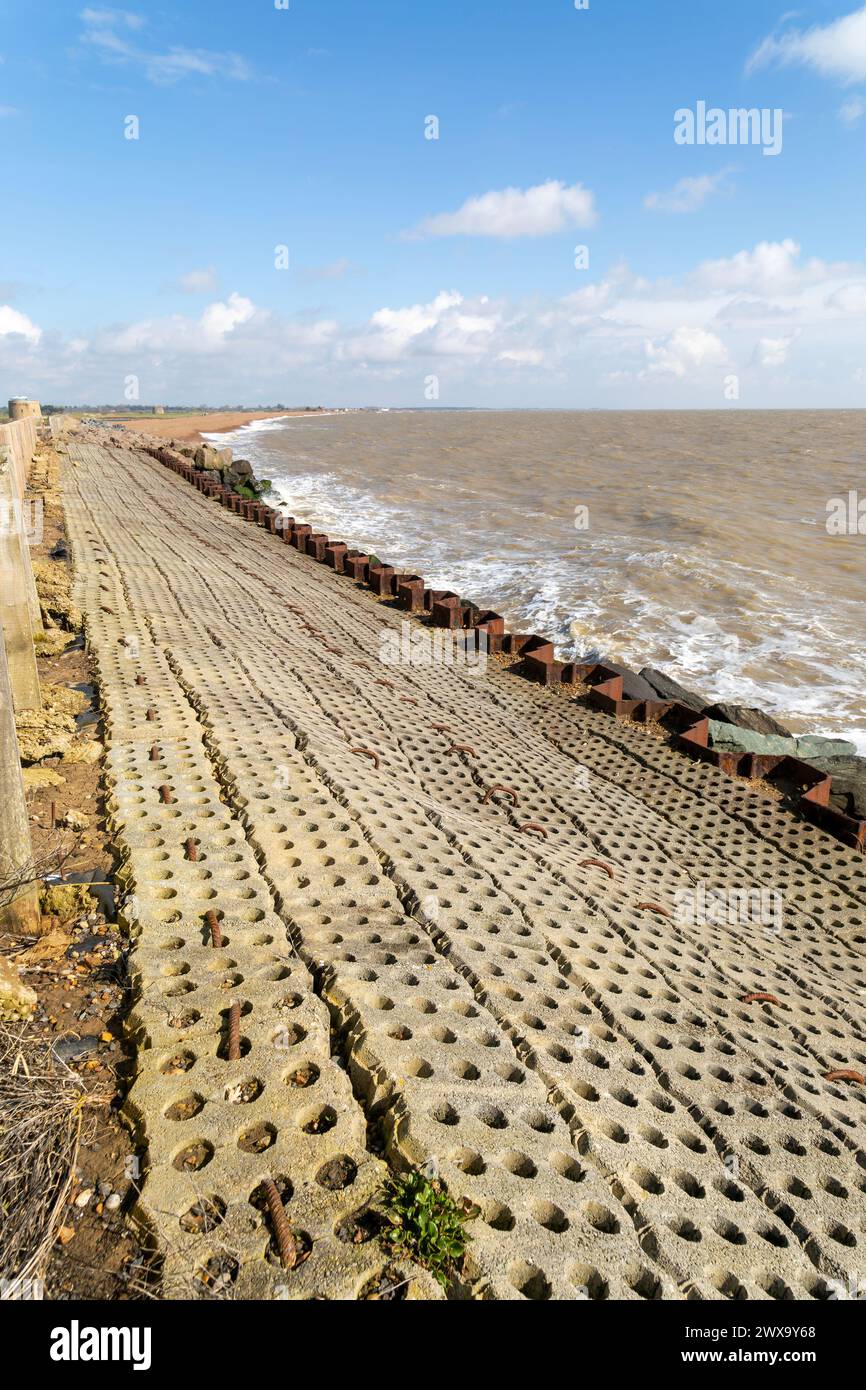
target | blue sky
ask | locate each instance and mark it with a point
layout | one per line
(432, 270)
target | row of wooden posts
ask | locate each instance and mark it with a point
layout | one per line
(21, 621)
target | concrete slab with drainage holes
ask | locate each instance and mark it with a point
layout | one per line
(512, 991)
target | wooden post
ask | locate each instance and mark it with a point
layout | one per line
(19, 440)
(21, 913)
(15, 609)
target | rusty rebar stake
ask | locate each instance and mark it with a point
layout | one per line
(235, 1033)
(212, 921)
(286, 1243)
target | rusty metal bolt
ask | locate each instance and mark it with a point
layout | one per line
(846, 1075)
(597, 864)
(461, 748)
(759, 999)
(368, 753)
(192, 850)
(150, 715)
(506, 791)
(155, 753)
(442, 728)
(140, 679)
(234, 1032)
(165, 794)
(653, 907)
(286, 1243)
(534, 827)
(216, 936)
(390, 684)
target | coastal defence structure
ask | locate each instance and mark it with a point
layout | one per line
(384, 914)
(23, 408)
(20, 620)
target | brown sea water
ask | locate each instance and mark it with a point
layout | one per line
(706, 550)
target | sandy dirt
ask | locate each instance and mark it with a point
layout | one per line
(78, 970)
(190, 428)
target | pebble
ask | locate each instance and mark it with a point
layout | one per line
(84, 1197)
(112, 1202)
(103, 1188)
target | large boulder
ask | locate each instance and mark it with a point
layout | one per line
(634, 687)
(667, 688)
(730, 738)
(754, 720)
(812, 746)
(848, 792)
(209, 459)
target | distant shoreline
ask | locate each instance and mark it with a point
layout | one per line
(191, 429)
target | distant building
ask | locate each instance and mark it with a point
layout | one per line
(159, 410)
(20, 407)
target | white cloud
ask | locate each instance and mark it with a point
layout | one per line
(516, 212)
(622, 340)
(688, 195)
(771, 267)
(772, 352)
(837, 49)
(851, 111)
(683, 351)
(334, 270)
(203, 335)
(11, 321)
(9, 111)
(202, 281)
(111, 33)
(849, 299)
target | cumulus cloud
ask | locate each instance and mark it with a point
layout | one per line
(771, 267)
(623, 339)
(202, 281)
(203, 335)
(515, 212)
(683, 351)
(836, 50)
(12, 322)
(772, 352)
(113, 33)
(688, 195)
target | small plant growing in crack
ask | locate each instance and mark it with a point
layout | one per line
(426, 1223)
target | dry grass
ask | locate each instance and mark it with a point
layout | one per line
(42, 1110)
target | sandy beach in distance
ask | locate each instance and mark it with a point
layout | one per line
(186, 428)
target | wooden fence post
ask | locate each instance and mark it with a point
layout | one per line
(21, 912)
(15, 599)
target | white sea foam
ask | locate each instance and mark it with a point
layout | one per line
(662, 591)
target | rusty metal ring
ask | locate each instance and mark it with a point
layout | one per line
(532, 826)
(368, 753)
(506, 791)
(597, 864)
